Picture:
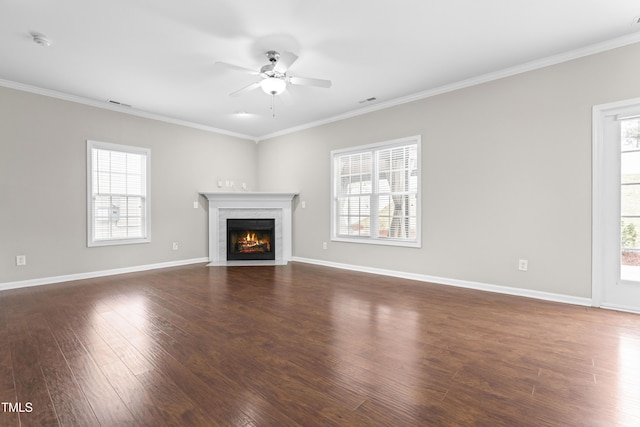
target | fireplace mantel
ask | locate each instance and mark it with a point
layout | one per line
(223, 206)
(250, 197)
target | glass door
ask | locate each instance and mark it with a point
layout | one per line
(630, 199)
(616, 206)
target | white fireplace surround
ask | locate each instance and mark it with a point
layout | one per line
(223, 206)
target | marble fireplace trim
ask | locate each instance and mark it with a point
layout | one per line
(223, 206)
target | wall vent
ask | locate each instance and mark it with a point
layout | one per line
(111, 101)
(364, 101)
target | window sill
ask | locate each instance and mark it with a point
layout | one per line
(117, 242)
(378, 241)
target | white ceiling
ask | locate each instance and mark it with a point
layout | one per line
(159, 56)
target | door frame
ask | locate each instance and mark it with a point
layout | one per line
(599, 199)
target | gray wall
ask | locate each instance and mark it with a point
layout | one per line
(506, 176)
(43, 185)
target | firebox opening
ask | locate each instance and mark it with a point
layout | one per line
(250, 239)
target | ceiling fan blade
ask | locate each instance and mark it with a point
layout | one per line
(306, 81)
(245, 89)
(236, 67)
(284, 62)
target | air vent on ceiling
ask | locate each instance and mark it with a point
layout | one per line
(111, 101)
(40, 39)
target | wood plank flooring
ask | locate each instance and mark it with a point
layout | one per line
(303, 345)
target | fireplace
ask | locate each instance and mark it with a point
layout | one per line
(250, 239)
(238, 205)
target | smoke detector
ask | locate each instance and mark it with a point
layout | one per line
(40, 39)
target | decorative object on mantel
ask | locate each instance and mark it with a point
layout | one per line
(250, 205)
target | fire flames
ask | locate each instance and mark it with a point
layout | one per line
(252, 243)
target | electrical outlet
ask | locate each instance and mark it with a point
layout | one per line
(324, 245)
(523, 265)
(175, 246)
(303, 204)
(195, 205)
(21, 260)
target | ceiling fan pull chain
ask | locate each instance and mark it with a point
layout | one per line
(273, 104)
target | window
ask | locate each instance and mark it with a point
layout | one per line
(376, 193)
(118, 194)
(630, 198)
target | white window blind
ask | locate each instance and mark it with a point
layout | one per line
(375, 193)
(118, 205)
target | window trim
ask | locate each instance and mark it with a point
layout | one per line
(91, 242)
(385, 241)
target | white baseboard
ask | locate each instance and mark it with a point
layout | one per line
(547, 296)
(618, 307)
(93, 274)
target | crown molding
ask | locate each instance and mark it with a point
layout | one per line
(485, 78)
(473, 81)
(119, 108)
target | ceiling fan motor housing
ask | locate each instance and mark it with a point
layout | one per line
(267, 70)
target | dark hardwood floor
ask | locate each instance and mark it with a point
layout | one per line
(304, 345)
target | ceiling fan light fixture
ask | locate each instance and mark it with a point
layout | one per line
(273, 85)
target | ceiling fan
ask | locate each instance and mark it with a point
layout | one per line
(274, 77)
